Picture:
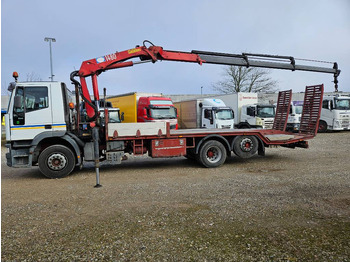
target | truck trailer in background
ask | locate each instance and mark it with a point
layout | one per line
(204, 113)
(248, 112)
(145, 107)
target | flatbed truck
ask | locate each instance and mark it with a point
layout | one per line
(42, 127)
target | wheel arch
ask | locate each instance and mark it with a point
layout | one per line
(218, 138)
(43, 140)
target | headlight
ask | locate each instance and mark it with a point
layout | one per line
(259, 122)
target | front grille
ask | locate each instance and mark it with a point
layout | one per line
(345, 124)
(268, 124)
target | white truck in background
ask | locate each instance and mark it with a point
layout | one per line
(204, 113)
(248, 112)
(294, 118)
(335, 113)
(114, 114)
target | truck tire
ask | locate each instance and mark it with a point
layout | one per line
(245, 146)
(244, 126)
(56, 161)
(322, 126)
(212, 154)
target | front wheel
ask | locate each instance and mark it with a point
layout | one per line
(212, 154)
(56, 161)
(322, 126)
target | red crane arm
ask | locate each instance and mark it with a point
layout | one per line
(94, 67)
(115, 60)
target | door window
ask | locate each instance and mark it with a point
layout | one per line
(18, 108)
(207, 114)
(29, 99)
(325, 104)
(36, 98)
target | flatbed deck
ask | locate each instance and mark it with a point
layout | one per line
(269, 136)
(139, 131)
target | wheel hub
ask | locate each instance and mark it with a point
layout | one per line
(213, 155)
(210, 154)
(56, 161)
(246, 144)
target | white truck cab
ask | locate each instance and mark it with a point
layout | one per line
(204, 113)
(257, 115)
(249, 113)
(335, 113)
(294, 117)
(38, 114)
(215, 114)
(36, 108)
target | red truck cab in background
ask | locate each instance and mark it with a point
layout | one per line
(145, 107)
(157, 108)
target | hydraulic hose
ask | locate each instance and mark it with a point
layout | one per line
(77, 83)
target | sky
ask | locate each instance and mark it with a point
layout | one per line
(309, 29)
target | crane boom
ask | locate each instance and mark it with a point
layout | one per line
(96, 66)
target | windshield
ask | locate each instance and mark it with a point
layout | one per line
(267, 111)
(224, 114)
(342, 104)
(163, 113)
(113, 116)
(298, 109)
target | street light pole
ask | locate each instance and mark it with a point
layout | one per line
(50, 40)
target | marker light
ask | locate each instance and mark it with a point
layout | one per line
(71, 105)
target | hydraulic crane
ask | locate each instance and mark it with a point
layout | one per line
(96, 66)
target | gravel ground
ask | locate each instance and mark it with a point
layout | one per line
(291, 205)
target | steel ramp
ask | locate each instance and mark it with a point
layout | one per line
(311, 110)
(282, 110)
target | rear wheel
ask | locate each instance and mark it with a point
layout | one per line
(56, 161)
(245, 146)
(322, 126)
(212, 154)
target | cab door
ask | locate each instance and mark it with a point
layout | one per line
(327, 114)
(31, 112)
(207, 118)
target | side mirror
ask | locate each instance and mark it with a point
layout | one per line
(18, 101)
(11, 86)
(122, 116)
